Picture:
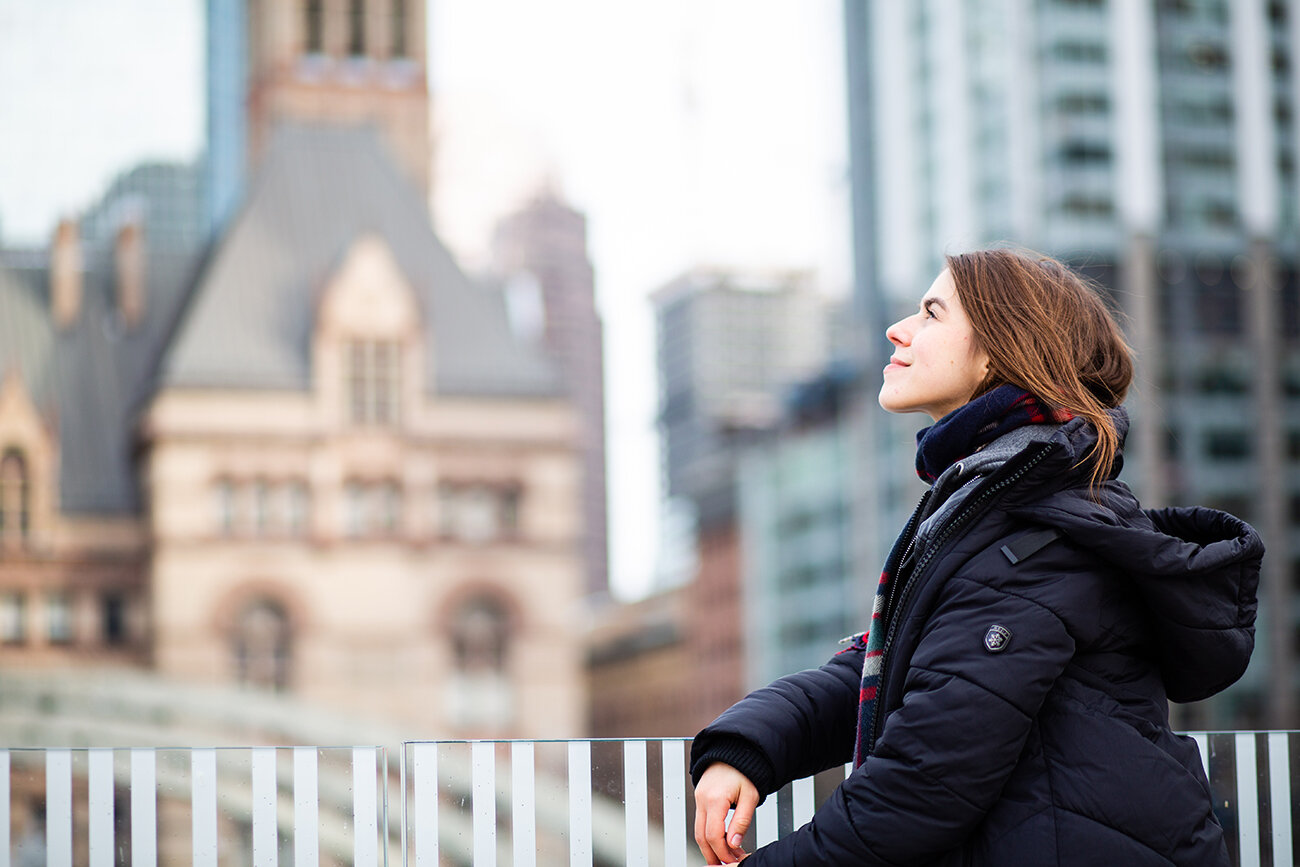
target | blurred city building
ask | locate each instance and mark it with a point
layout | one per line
(796, 495)
(1153, 144)
(540, 253)
(310, 456)
(343, 62)
(728, 344)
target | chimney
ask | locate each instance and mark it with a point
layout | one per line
(128, 253)
(66, 273)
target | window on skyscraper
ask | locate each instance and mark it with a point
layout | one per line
(1227, 444)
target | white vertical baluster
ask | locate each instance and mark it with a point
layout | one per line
(483, 765)
(766, 821)
(100, 803)
(636, 804)
(5, 818)
(580, 804)
(804, 801)
(424, 766)
(1247, 799)
(523, 818)
(1203, 746)
(306, 809)
(365, 808)
(144, 808)
(203, 806)
(674, 759)
(266, 802)
(58, 806)
(1279, 782)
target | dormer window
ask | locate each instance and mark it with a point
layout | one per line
(15, 499)
(373, 382)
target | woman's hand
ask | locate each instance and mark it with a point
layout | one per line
(720, 789)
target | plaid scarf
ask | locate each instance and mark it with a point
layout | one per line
(960, 433)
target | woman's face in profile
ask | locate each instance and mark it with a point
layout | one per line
(936, 364)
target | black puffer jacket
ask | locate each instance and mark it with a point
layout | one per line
(1051, 746)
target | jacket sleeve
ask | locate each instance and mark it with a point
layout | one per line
(944, 755)
(799, 725)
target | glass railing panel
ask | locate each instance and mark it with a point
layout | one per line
(230, 805)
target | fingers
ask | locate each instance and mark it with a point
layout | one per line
(720, 789)
(746, 803)
(711, 826)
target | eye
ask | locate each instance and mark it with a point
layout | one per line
(927, 310)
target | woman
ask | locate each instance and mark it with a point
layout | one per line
(1008, 705)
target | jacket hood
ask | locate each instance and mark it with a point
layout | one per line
(1196, 569)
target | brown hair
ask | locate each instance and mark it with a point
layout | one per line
(1047, 329)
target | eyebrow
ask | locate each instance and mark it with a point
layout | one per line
(933, 300)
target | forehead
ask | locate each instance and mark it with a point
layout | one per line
(943, 288)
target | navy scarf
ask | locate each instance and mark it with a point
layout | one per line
(966, 430)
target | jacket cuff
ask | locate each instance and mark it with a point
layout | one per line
(741, 754)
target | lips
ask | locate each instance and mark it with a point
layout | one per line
(895, 364)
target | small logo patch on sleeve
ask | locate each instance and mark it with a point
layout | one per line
(997, 639)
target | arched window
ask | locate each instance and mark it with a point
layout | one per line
(15, 498)
(480, 637)
(314, 26)
(479, 694)
(262, 646)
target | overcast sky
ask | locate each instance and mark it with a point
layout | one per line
(689, 132)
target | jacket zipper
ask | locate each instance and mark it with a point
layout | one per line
(927, 557)
(910, 530)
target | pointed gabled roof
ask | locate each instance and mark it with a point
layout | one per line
(250, 320)
(86, 377)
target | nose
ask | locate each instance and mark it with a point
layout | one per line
(899, 333)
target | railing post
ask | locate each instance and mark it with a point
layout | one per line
(523, 819)
(144, 808)
(674, 762)
(203, 807)
(306, 809)
(483, 782)
(580, 854)
(266, 797)
(365, 808)
(100, 804)
(58, 806)
(424, 767)
(636, 804)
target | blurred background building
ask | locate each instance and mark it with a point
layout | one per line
(262, 433)
(260, 429)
